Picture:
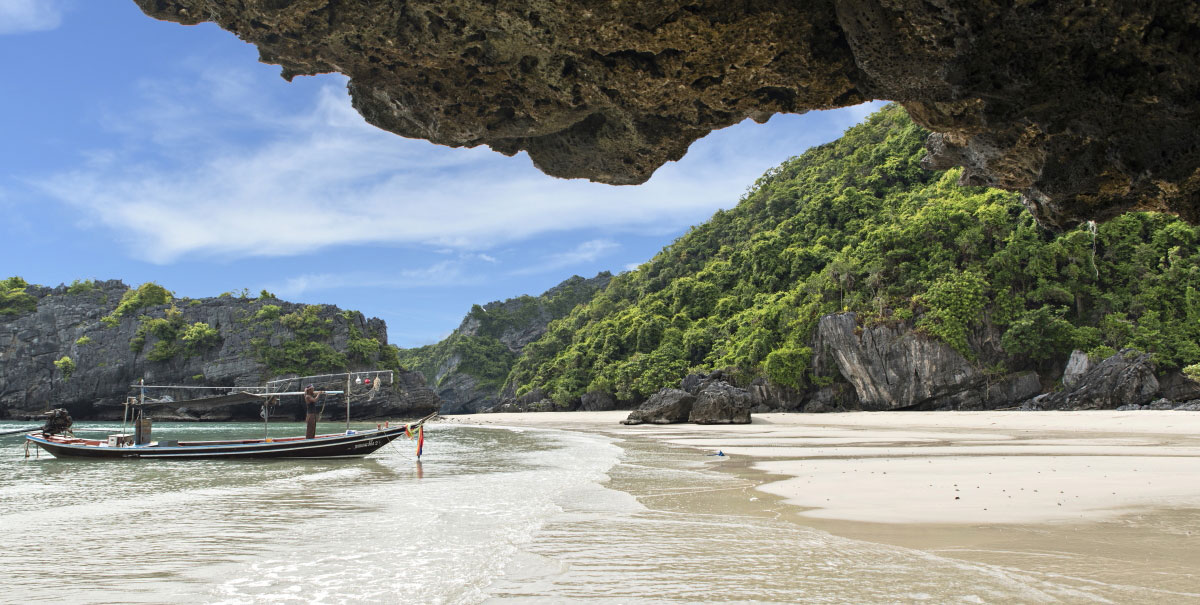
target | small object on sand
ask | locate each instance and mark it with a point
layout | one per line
(719, 453)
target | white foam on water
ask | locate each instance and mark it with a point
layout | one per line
(440, 541)
(488, 515)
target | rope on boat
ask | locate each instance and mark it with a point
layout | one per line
(408, 429)
(398, 450)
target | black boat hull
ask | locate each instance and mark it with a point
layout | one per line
(354, 445)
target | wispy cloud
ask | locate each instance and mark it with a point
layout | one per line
(585, 252)
(445, 273)
(216, 169)
(24, 16)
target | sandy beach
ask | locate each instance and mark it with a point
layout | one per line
(1101, 494)
(935, 467)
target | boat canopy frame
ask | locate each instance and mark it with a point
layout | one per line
(266, 393)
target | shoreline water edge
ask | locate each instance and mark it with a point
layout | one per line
(1103, 501)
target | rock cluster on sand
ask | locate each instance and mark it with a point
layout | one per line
(701, 399)
(1125, 378)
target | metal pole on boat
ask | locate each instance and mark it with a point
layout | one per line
(347, 397)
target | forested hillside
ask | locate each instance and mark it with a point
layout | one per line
(857, 225)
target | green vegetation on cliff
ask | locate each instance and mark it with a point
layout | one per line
(148, 294)
(486, 345)
(305, 351)
(66, 365)
(14, 300)
(858, 225)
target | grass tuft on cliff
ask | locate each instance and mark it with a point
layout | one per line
(14, 300)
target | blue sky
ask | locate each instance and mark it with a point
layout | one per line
(149, 151)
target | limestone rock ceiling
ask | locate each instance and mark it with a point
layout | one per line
(1088, 108)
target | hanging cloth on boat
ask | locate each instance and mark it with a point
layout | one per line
(420, 440)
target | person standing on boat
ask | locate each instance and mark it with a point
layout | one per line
(311, 396)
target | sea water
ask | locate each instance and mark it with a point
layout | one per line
(487, 515)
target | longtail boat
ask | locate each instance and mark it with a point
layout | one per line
(351, 444)
(57, 438)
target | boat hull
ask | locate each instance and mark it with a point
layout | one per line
(354, 445)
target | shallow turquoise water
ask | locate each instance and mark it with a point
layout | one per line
(488, 515)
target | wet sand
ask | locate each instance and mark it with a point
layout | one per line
(1108, 496)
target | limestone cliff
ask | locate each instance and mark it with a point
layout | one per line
(893, 367)
(1088, 108)
(468, 368)
(243, 342)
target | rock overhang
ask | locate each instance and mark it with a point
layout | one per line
(1088, 110)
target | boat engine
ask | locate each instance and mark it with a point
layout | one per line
(58, 421)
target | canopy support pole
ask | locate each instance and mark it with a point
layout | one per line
(347, 398)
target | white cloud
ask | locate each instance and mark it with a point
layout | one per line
(215, 168)
(445, 273)
(23, 16)
(583, 253)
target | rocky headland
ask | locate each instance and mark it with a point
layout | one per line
(82, 347)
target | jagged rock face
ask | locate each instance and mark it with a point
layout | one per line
(721, 403)
(1012, 389)
(1077, 366)
(1177, 387)
(460, 391)
(668, 406)
(106, 366)
(891, 367)
(1126, 378)
(606, 91)
(597, 401)
(1088, 109)
(701, 399)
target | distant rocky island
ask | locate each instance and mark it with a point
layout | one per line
(82, 346)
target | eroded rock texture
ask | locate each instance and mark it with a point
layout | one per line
(67, 324)
(893, 367)
(1088, 108)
